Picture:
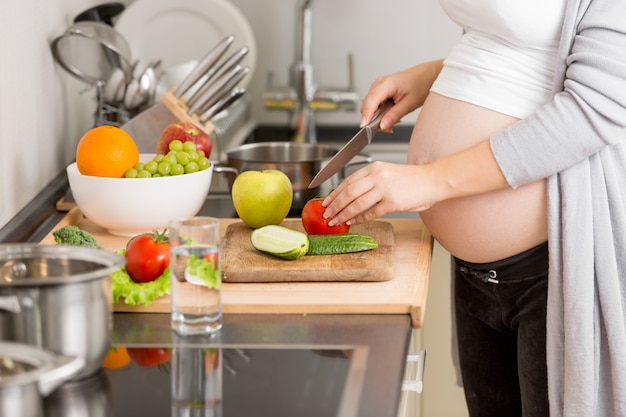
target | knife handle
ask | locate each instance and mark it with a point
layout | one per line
(222, 104)
(203, 67)
(227, 66)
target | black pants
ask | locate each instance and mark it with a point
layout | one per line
(501, 329)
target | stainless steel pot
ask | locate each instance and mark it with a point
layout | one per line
(299, 161)
(27, 374)
(58, 298)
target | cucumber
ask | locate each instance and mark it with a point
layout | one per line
(340, 243)
(280, 241)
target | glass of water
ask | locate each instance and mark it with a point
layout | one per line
(195, 275)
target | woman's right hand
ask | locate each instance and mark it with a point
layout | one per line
(408, 89)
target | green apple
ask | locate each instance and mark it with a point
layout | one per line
(263, 197)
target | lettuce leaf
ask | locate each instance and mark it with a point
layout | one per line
(204, 270)
(134, 293)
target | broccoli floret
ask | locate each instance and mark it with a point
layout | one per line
(75, 236)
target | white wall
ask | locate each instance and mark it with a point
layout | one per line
(44, 110)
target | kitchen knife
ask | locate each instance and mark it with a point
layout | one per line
(210, 95)
(223, 104)
(231, 83)
(230, 63)
(146, 126)
(204, 66)
(353, 147)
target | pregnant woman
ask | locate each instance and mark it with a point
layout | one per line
(517, 166)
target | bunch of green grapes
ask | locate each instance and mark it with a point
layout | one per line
(183, 158)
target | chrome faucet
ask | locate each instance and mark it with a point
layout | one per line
(303, 97)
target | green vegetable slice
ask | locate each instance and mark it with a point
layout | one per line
(280, 241)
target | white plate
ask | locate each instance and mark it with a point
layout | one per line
(178, 31)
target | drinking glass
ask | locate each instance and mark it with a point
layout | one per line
(195, 275)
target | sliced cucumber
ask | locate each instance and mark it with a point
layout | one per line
(280, 241)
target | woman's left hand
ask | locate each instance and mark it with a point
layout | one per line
(380, 188)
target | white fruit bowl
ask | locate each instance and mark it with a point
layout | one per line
(129, 206)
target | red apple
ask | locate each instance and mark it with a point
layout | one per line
(185, 132)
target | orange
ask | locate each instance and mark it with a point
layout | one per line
(116, 358)
(106, 151)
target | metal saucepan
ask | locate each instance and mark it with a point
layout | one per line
(299, 161)
(27, 374)
(58, 298)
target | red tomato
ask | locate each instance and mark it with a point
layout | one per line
(314, 222)
(148, 357)
(147, 256)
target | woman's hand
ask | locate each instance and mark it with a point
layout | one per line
(378, 189)
(407, 88)
(381, 188)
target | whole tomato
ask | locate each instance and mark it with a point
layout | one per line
(148, 357)
(147, 256)
(314, 222)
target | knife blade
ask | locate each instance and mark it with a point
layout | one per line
(353, 147)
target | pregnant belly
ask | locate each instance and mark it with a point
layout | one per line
(484, 227)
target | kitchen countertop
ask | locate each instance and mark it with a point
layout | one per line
(407, 254)
(386, 336)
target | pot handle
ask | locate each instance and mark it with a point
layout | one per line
(230, 172)
(64, 368)
(10, 303)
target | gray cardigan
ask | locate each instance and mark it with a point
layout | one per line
(577, 141)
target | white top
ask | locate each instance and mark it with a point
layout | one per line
(506, 57)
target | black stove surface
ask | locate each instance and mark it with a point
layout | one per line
(238, 381)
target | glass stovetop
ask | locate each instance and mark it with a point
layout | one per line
(235, 381)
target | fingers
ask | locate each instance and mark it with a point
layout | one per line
(381, 188)
(356, 199)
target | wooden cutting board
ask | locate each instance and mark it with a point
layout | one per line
(242, 263)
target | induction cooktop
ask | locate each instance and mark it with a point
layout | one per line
(225, 381)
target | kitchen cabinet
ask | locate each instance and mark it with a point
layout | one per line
(441, 395)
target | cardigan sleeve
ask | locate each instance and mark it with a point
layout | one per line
(588, 114)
